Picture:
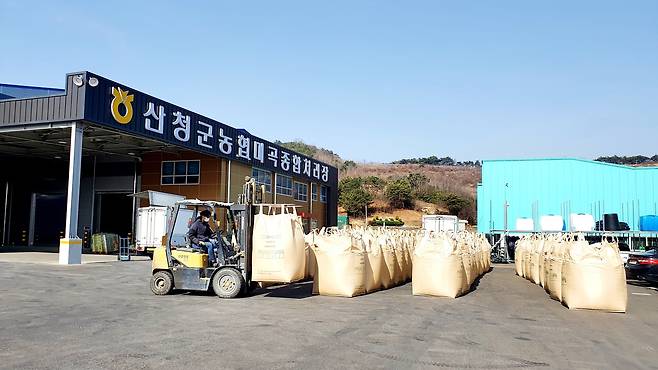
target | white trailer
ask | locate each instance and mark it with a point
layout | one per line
(150, 228)
(438, 223)
(151, 225)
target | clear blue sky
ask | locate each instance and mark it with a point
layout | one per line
(371, 80)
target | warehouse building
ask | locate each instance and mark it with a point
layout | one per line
(531, 188)
(71, 157)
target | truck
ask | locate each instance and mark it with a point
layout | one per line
(151, 222)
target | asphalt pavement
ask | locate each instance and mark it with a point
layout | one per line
(104, 316)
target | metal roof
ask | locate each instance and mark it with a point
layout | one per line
(570, 159)
(11, 91)
(54, 143)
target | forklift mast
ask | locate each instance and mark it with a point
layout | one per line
(251, 195)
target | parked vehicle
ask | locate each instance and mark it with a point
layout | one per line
(438, 223)
(643, 266)
(151, 222)
(150, 228)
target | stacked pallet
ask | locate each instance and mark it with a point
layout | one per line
(104, 243)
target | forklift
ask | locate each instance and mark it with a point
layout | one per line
(178, 265)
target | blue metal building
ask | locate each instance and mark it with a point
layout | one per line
(559, 186)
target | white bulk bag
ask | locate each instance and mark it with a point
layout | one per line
(438, 269)
(341, 273)
(593, 277)
(278, 245)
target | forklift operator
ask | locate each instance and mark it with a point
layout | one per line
(200, 234)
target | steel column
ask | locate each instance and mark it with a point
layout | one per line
(70, 248)
(228, 183)
(5, 239)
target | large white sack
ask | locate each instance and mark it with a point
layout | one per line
(538, 245)
(390, 262)
(542, 256)
(375, 269)
(311, 263)
(340, 273)
(547, 266)
(438, 269)
(519, 250)
(467, 260)
(557, 259)
(278, 245)
(527, 259)
(593, 277)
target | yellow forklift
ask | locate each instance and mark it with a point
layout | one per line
(177, 265)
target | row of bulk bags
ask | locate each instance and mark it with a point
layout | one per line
(279, 254)
(579, 274)
(353, 262)
(446, 265)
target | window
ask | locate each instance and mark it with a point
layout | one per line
(284, 185)
(323, 194)
(314, 192)
(180, 172)
(301, 192)
(262, 177)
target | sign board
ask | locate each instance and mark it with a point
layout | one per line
(123, 108)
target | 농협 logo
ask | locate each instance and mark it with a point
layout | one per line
(122, 97)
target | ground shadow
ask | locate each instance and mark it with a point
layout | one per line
(25, 249)
(299, 290)
(641, 283)
(476, 282)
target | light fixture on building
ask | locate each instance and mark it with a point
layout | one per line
(77, 80)
(61, 142)
(131, 153)
(58, 157)
(93, 82)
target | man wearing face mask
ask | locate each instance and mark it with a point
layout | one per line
(200, 234)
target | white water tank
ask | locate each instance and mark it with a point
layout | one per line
(551, 223)
(525, 224)
(581, 222)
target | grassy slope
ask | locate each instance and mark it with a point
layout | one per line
(459, 180)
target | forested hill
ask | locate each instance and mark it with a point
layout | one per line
(406, 189)
(636, 160)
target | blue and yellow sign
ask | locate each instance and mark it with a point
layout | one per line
(122, 98)
(117, 106)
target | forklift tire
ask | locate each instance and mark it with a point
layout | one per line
(162, 283)
(228, 283)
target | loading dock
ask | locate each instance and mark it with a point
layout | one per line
(73, 156)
